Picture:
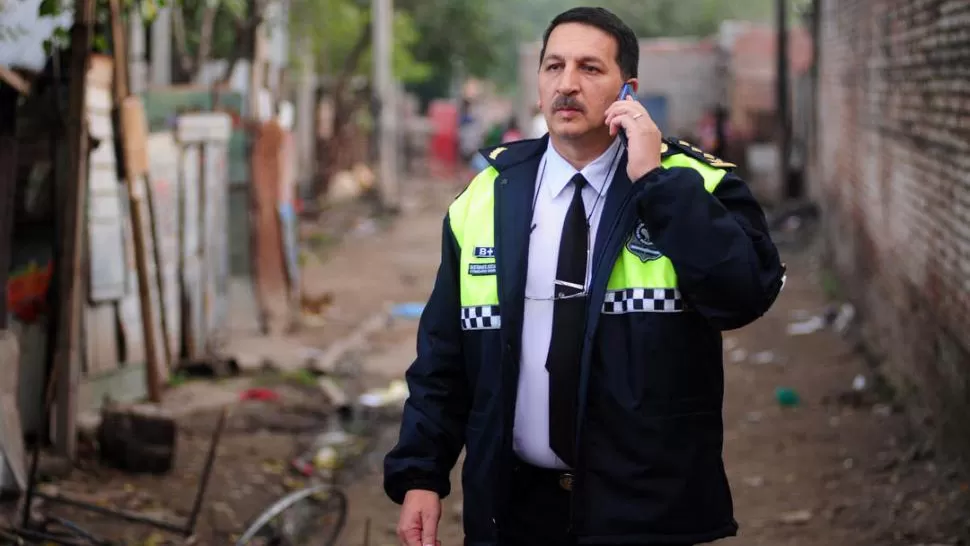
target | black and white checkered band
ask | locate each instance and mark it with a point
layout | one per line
(482, 317)
(643, 300)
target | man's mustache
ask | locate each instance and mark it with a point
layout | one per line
(564, 102)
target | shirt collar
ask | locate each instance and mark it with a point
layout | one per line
(558, 172)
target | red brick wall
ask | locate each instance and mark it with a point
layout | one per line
(752, 69)
(891, 169)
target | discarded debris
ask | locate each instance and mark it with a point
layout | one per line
(138, 438)
(805, 327)
(844, 318)
(408, 310)
(764, 357)
(259, 394)
(394, 394)
(882, 410)
(330, 360)
(787, 397)
(738, 355)
(754, 481)
(338, 398)
(327, 458)
(798, 517)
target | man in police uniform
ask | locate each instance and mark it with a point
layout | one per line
(572, 342)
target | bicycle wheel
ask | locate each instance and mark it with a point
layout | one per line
(314, 516)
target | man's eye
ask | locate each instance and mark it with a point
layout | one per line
(592, 69)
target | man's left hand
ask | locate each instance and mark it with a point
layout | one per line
(643, 136)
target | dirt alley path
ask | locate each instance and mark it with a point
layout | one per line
(840, 469)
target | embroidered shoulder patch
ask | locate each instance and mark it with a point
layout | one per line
(641, 246)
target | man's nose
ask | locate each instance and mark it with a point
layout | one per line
(568, 82)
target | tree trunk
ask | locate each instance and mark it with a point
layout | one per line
(332, 149)
(181, 41)
(205, 38)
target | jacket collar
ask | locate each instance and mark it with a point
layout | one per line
(509, 155)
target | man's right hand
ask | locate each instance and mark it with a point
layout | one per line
(420, 513)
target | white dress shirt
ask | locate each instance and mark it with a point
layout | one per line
(553, 195)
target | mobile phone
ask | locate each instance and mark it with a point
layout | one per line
(625, 91)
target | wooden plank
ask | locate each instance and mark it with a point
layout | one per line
(129, 309)
(100, 127)
(11, 429)
(14, 80)
(66, 354)
(107, 274)
(100, 340)
(191, 251)
(133, 135)
(100, 74)
(192, 280)
(163, 167)
(216, 247)
(99, 100)
(158, 330)
(191, 177)
(134, 127)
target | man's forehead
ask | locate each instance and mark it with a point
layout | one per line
(579, 41)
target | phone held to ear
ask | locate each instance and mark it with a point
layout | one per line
(625, 91)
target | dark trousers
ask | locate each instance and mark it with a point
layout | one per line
(538, 511)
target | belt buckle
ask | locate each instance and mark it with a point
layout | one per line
(566, 481)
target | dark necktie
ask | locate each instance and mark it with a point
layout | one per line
(568, 325)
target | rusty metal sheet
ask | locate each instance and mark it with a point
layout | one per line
(163, 168)
(191, 191)
(215, 180)
(193, 293)
(191, 251)
(106, 214)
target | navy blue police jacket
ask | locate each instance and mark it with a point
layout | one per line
(649, 466)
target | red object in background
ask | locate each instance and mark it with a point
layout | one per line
(443, 145)
(512, 135)
(27, 292)
(260, 394)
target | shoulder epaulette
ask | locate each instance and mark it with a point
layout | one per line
(512, 153)
(672, 146)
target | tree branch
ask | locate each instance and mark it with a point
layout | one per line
(181, 39)
(244, 38)
(205, 36)
(348, 69)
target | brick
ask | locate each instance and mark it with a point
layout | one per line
(890, 165)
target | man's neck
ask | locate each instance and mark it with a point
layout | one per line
(581, 152)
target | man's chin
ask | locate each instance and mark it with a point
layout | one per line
(569, 131)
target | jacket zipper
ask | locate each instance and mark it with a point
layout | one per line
(573, 502)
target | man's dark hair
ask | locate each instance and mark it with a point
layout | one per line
(627, 45)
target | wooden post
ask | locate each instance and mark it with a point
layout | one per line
(67, 363)
(132, 133)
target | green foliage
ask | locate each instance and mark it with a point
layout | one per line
(331, 30)
(60, 37)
